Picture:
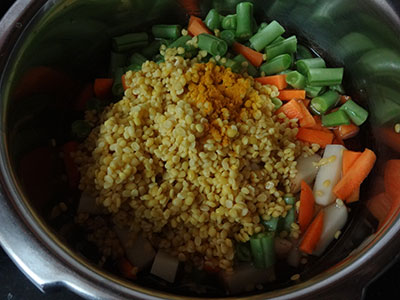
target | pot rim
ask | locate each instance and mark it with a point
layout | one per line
(42, 256)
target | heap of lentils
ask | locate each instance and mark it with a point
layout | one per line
(193, 156)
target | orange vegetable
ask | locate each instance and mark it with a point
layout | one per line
(278, 80)
(70, 166)
(307, 119)
(84, 96)
(254, 57)
(379, 206)
(356, 175)
(196, 26)
(126, 268)
(313, 234)
(314, 136)
(338, 141)
(306, 102)
(318, 124)
(292, 94)
(306, 209)
(346, 131)
(102, 88)
(343, 99)
(291, 109)
(124, 83)
(349, 157)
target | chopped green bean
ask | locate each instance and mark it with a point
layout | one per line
(338, 88)
(127, 42)
(81, 129)
(262, 26)
(277, 64)
(314, 91)
(277, 40)
(232, 64)
(296, 80)
(326, 101)
(243, 252)
(288, 45)
(166, 31)
(336, 118)
(133, 67)
(304, 65)
(355, 112)
(271, 224)
(213, 19)
(137, 58)
(268, 248)
(246, 65)
(257, 252)
(277, 102)
(289, 219)
(213, 45)
(117, 88)
(325, 76)
(152, 49)
(228, 36)
(303, 52)
(229, 22)
(181, 42)
(289, 199)
(117, 60)
(266, 36)
(244, 12)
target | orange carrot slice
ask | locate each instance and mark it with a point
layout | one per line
(345, 132)
(313, 234)
(356, 175)
(306, 209)
(307, 119)
(196, 26)
(291, 109)
(278, 80)
(313, 136)
(254, 57)
(292, 94)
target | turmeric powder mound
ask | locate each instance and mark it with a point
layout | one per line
(221, 96)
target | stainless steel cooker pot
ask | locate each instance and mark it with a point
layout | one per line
(73, 36)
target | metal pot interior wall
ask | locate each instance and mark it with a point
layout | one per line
(68, 43)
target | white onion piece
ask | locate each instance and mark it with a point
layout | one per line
(306, 170)
(328, 175)
(138, 249)
(87, 204)
(335, 217)
(165, 266)
(245, 277)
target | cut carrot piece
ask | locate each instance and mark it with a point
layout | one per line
(278, 80)
(318, 124)
(84, 96)
(349, 157)
(254, 57)
(343, 99)
(313, 136)
(356, 175)
(337, 141)
(313, 234)
(70, 166)
(307, 119)
(124, 82)
(306, 102)
(102, 88)
(291, 109)
(196, 26)
(306, 209)
(126, 268)
(292, 94)
(346, 131)
(392, 178)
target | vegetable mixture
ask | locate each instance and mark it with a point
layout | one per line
(224, 149)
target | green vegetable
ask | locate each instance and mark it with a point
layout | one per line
(314, 91)
(133, 68)
(243, 252)
(257, 252)
(303, 52)
(213, 19)
(130, 41)
(262, 26)
(263, 249)
(324, 76)
(335, 119)
(234, 65)
(277, 40)
(304, 65)
(117, 88)
(152, 49)
(251, 70)
(80, 129)
(229, 22)
(338, 88)
(166, 31)
(182, 42)
(325, 102)
(266, 36)
(228, 36)
(277, 102)
(137, 58)
(117, 60)
(271, 224)
(356, 113)
(277, 64)
(244, 13)
(213, 45)
(288, 45)
(296, 80)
